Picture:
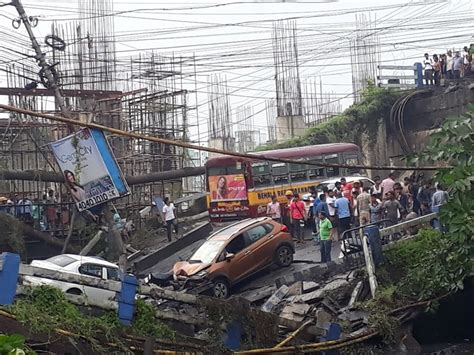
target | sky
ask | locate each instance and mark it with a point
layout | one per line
(233, 39)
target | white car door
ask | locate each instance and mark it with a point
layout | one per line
(94, 293)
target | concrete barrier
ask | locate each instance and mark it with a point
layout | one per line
(198, 233)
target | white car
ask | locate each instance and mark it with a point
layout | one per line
(366, 182)
(78, 265)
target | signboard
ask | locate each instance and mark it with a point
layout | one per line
(227, 187)
(89, 167)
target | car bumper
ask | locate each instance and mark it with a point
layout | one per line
(195, 285)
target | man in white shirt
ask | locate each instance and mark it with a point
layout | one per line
(428, 65)
(273, 209)
(449, 65)
(331, 200)
(170, 217)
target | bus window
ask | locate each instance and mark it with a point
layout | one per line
(261, 174)
(225, 170)
(316, 172)
(280, 173)
(351, 159)
(216, 171)
(298, 172)
(332, 159)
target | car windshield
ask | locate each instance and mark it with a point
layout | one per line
(207, 252)
(61, 260)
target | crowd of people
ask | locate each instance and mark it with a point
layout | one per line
(447, 66)
(336, 208)
(45, 214)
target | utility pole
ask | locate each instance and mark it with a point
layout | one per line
(40, 57)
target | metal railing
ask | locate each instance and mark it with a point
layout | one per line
(42, 216)
(351, 240)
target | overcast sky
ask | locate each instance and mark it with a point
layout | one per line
(233, 38)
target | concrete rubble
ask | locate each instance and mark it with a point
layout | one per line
(322, 295)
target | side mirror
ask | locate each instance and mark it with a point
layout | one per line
(229, 256)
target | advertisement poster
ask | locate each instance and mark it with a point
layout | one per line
(89, 167)
(227, 187)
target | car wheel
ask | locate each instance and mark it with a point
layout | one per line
(220, 288)
(74, 291)
(284, 256)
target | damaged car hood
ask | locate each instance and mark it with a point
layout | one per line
(185, 268)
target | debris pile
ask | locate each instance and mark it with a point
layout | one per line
(315, 305)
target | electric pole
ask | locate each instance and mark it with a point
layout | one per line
(40, 57)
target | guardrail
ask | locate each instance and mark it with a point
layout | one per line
(401, 81)
(352, 246)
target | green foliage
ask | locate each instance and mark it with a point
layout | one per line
(13, 345)
(431, 265)
(145, 324)
(46, 308)
(379, 309)
(361, 117)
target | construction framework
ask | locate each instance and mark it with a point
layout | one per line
(365, 54)
(143, 94)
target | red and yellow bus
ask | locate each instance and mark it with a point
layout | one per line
(241, 187)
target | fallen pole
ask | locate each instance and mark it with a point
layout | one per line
(187, 145)
(50, 176)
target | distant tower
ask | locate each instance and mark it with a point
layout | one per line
(220, 118)
(365, 55)
(289, 121)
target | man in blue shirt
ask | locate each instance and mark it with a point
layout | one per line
(343, 211)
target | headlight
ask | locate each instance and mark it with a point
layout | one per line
(202, 274)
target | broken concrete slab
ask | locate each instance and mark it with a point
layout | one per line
(295, 311)
(309, 286)
(258, 294)
(296, 288)
(334, 284)
(310, 297)
(275, 299)
(316, 273)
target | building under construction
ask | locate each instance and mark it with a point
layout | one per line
(143, 94)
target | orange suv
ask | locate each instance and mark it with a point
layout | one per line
(234, 253)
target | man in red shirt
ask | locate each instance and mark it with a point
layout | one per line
(298, 216)
(346, 189)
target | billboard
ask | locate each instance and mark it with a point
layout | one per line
(227, 187)
(90, 171)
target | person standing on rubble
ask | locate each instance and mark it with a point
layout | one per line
(325, 227)
(170, 217)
